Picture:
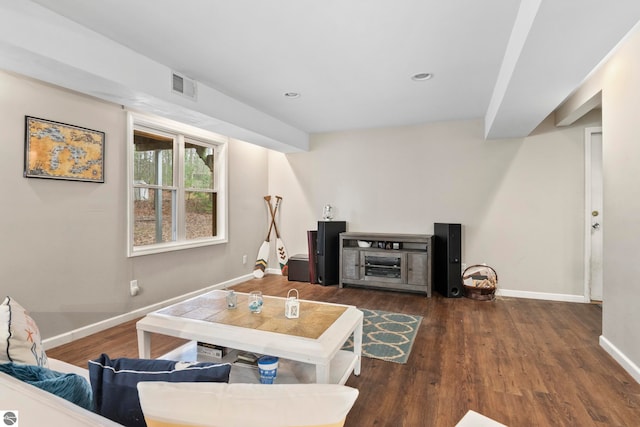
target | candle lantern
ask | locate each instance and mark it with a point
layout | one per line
(292, 305)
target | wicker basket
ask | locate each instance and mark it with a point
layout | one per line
(479, 282)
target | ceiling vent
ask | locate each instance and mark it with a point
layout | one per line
(183, 85)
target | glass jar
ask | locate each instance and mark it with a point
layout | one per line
(232, 300)
(255, 302)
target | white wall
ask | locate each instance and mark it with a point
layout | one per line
(618, 82)
(63, 250)
(621, 156)
(521, 201)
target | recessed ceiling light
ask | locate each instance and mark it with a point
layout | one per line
(419, 77)
(291, 95)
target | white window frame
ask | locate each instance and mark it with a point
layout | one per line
(180, 132)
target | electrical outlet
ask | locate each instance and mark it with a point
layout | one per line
(244, 259)
(134, 289)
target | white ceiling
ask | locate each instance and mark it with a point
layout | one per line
(505, 61)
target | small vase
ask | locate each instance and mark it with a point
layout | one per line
(327, 212)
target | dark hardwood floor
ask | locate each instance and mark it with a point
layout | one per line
(521, 362)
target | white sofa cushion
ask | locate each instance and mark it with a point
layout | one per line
(233, 405)
(20, 339)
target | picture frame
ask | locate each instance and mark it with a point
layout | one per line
(57, 150)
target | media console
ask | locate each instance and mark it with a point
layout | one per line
(401, 262)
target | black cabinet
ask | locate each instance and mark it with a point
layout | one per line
(328, 251)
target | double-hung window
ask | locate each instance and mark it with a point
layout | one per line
(177, 186)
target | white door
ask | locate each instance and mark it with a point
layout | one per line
(594, 218)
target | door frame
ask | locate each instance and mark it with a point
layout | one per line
(588, 132)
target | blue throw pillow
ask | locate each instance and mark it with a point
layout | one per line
(71, 387)
(114, 383)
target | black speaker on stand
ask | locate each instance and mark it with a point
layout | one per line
(328, 251)
(447, 259)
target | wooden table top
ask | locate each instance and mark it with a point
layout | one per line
(315, 318)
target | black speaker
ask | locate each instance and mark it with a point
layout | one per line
(328, 251)
(447, 259)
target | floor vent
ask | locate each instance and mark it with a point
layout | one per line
(183, 85)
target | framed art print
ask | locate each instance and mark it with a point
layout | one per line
(61, 151)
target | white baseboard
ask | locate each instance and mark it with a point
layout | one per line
(540, 295)
(621, 358)
(85, 331)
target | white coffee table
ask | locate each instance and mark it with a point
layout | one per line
(314, 339)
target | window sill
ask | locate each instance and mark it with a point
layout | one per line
(174, 246)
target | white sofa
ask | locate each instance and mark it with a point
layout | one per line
(37, 407)
(312, 404)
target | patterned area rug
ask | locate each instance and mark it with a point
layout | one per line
(387, 336)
